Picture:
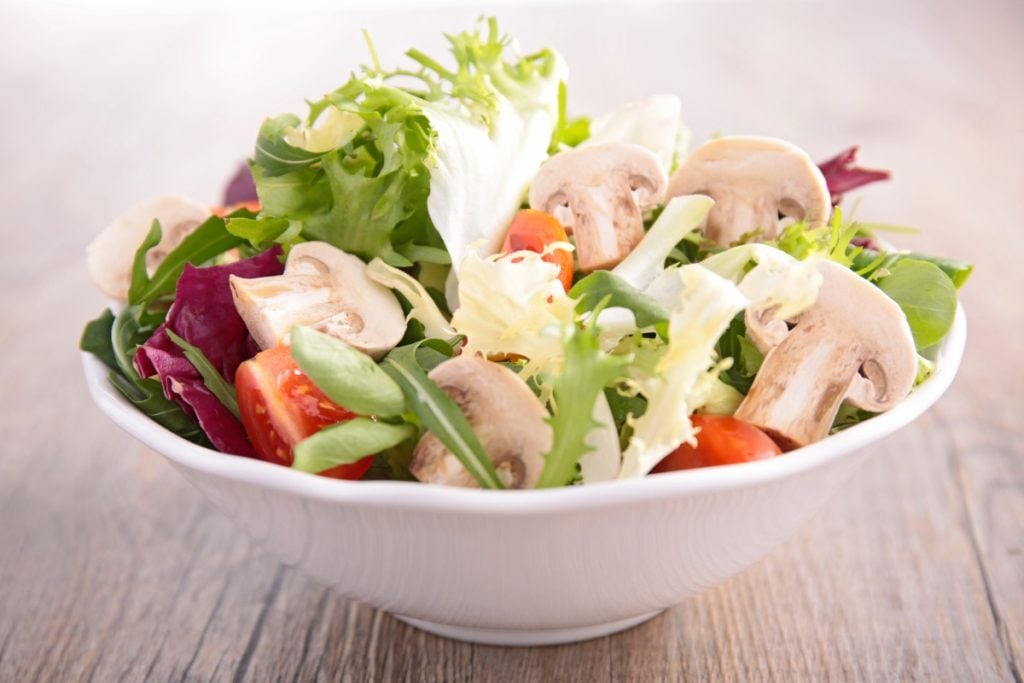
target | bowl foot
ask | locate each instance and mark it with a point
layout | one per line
(526, 637)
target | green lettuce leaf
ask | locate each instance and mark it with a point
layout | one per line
(361, 169)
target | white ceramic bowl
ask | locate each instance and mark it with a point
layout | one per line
(527, 567)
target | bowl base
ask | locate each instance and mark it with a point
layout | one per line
(526, 637)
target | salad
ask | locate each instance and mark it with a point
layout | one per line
(437, 275)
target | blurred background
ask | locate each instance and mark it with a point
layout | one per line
(107, 103)
(118, 101)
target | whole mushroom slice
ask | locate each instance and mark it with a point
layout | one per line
(600, 194)
(504, 414)
(753, 180)
(109, 256)
(324, 288)
(853, 345)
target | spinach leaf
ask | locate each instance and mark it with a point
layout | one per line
(927, 297)
(346, 375)
(603, 285)
(348, 442)
(957, 271)
(746, 358)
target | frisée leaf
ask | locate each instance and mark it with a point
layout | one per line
(585, 373)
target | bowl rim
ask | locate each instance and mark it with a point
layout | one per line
(420, 496)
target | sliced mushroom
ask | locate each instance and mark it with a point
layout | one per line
(853, 344)
(110, 255)
(600, 194)
(504, 414)
(753, 180)
(324, 288)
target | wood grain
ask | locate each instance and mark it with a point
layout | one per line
(113, 568)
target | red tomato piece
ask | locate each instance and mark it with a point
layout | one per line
(280, 406)
(250, 204)
(533, 231)
(722, 440)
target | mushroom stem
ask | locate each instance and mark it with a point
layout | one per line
(800, 387)
(599, 193)
(505, 415)
(853, 344)
(606, 228)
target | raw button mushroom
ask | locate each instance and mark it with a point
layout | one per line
(853, 344)
(600, 194)
(753, 180)
(110, 255)
(504, 414)
(324, 288)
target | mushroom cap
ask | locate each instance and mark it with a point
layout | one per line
(853, 344)
(600, 192)
(327, 289)
(109, 256)
(752, 180)
(617, 164)
(504, 414)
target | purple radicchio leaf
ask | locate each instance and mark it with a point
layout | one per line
(241, 187)
(204, 315)
(841, 175)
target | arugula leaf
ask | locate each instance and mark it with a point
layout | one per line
(346, 375)
(586, 371)
(605, 286)
(348, 442)
(926, 296)
(207, 241)
(127, 332)
(440, 414)
(212, 379)
(140, 277)
(96, 339)
(99, 339)
(148, 397)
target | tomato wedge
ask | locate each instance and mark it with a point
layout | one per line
(280, 406)
(533, 231)
(722, 440)
(250, 204)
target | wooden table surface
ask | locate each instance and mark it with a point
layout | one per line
(113, 567)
